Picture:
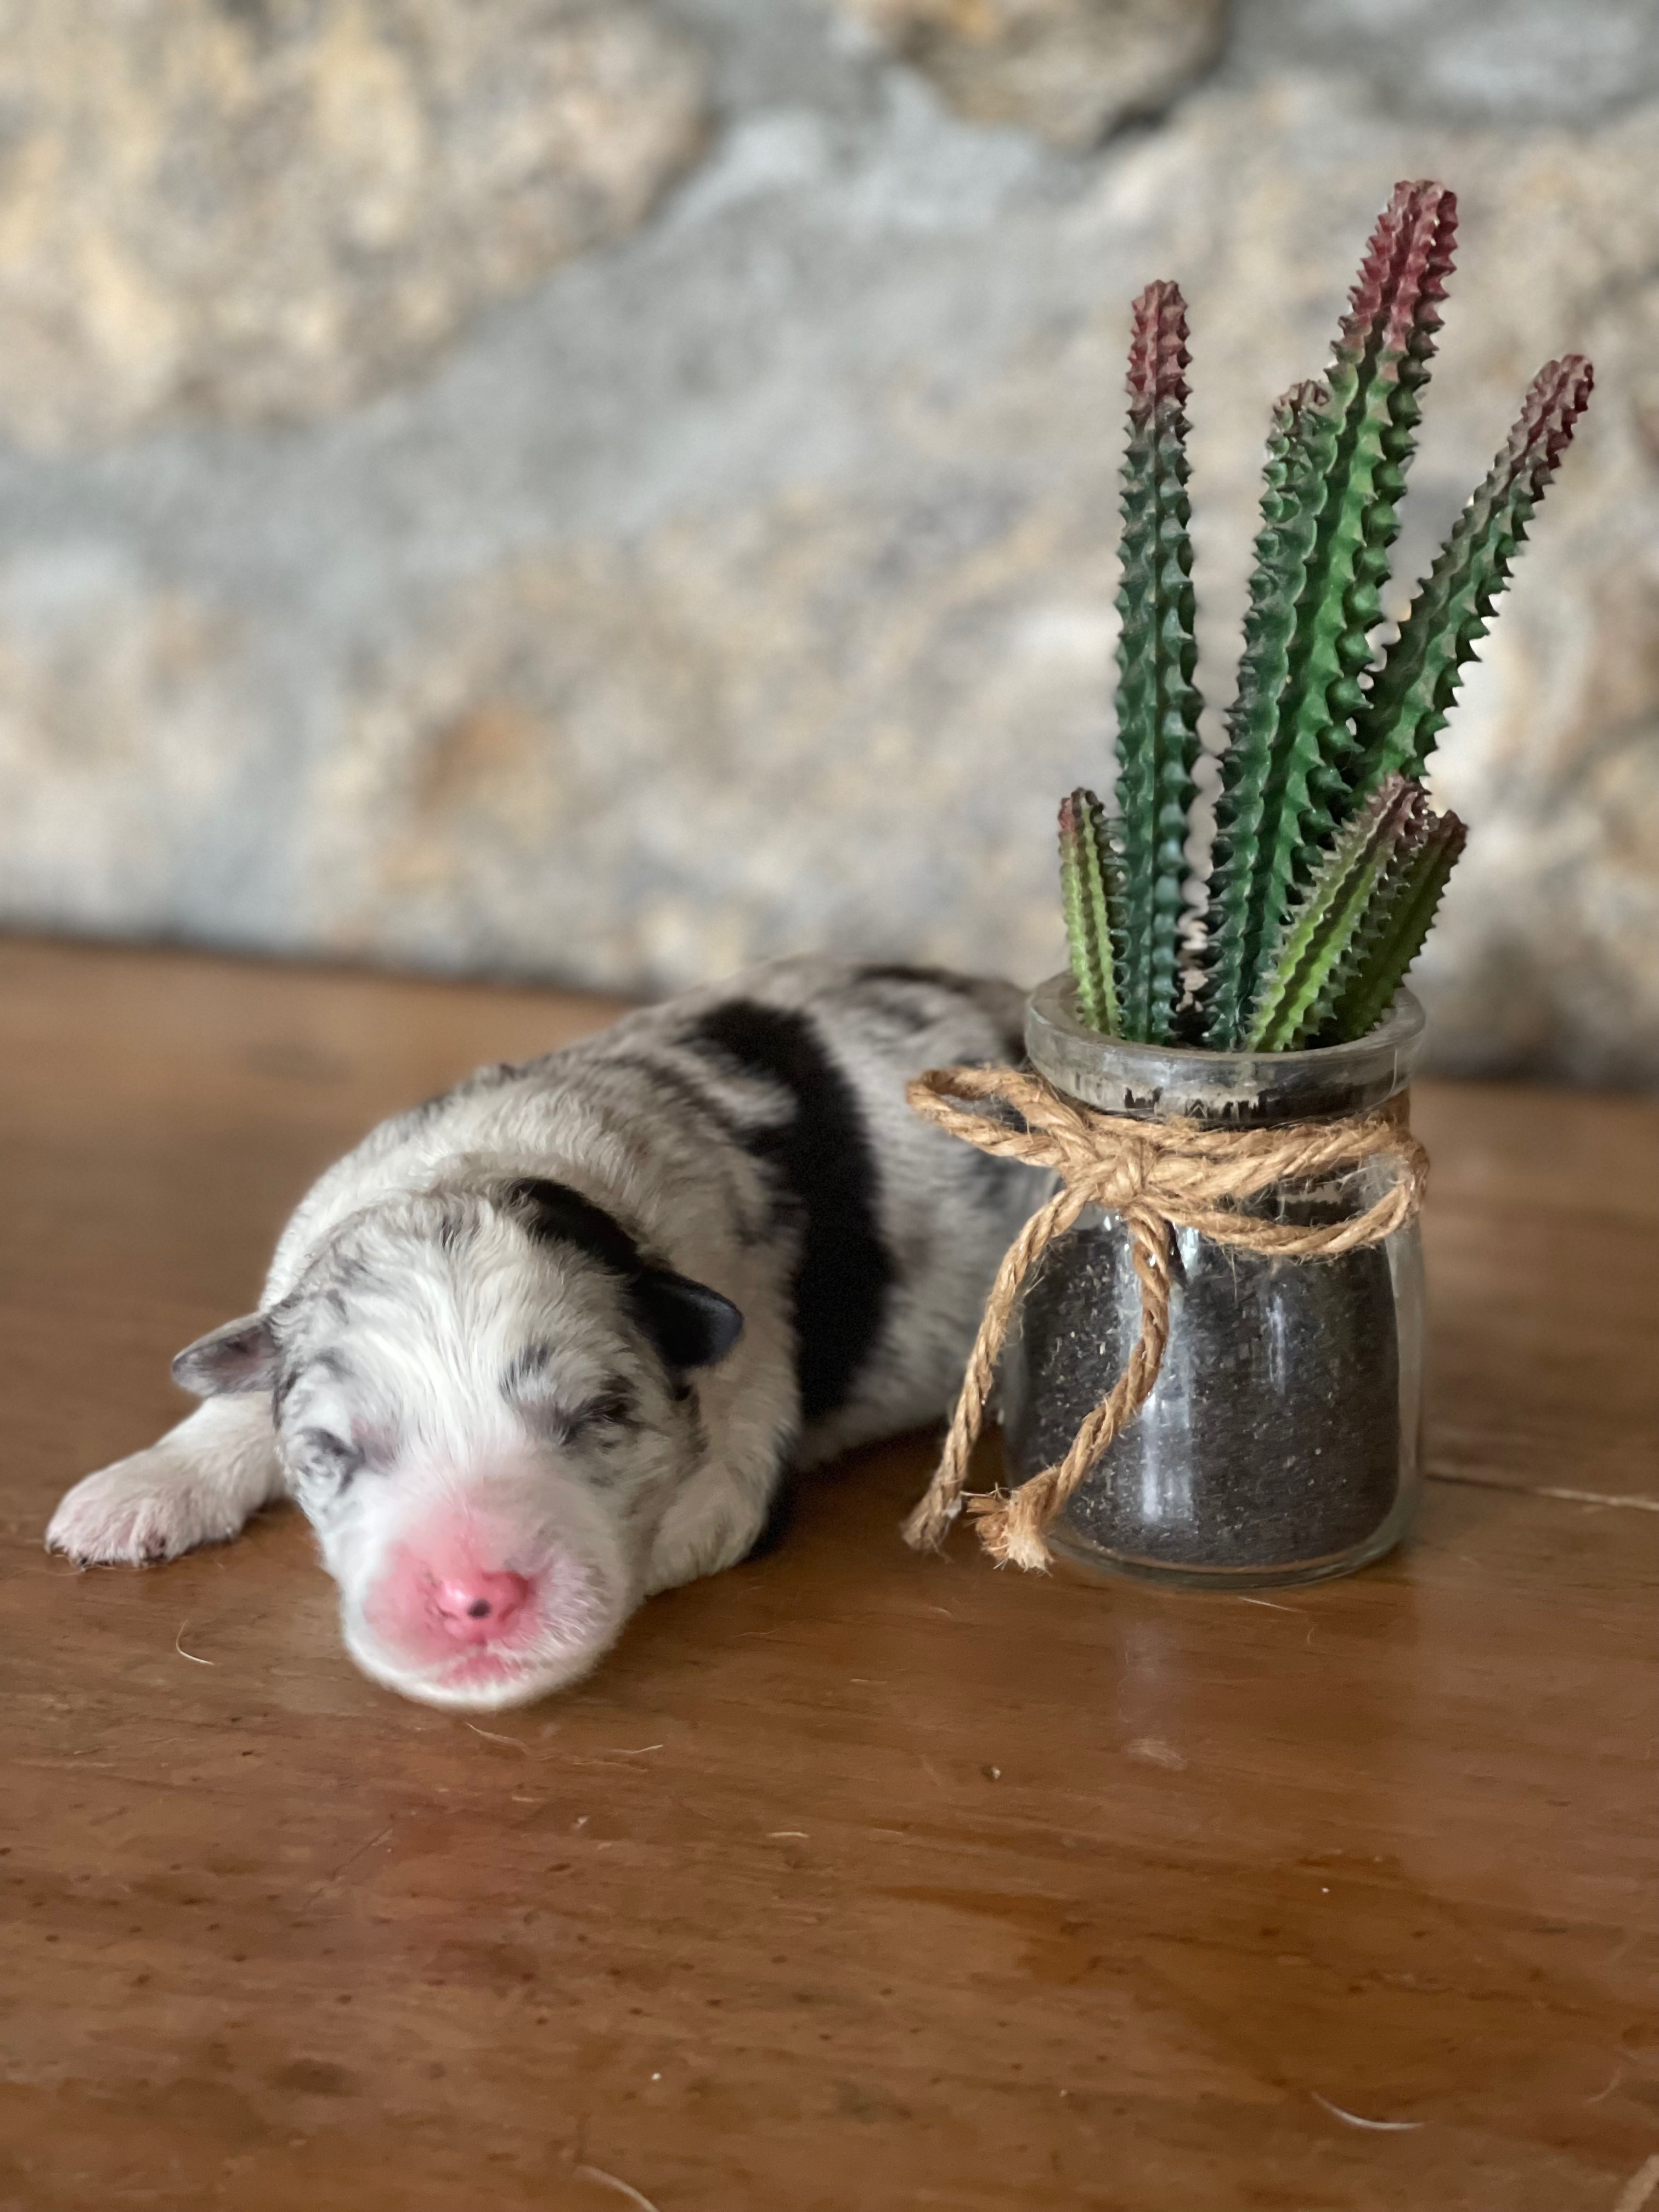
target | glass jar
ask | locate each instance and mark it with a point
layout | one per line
(1281, 1441)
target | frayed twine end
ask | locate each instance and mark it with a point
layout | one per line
(932, 1522)
(1010, 1526)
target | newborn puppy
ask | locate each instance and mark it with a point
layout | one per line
(553, 1341)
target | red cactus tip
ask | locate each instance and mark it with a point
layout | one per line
(1407, 260)
(1556, 398)
(1157, 349)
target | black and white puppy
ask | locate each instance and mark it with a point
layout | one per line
(554, 1341)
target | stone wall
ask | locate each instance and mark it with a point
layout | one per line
(609, 489)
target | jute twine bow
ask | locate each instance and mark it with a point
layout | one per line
(1159, 1177)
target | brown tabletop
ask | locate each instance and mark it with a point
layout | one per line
(853, 1880)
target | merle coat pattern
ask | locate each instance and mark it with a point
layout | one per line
(560, 1338)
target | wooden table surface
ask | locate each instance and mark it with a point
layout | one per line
(852, 1881)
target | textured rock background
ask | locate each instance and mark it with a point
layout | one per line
(744, 582)
(269, 208)
(1071, 70)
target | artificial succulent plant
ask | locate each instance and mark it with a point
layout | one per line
(1328, 860)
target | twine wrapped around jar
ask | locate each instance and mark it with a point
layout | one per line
(1159, 1177)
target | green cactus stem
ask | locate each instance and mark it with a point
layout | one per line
(1408, 898)
(1414, 690)
(1086, 877)
(1365, 946)
(1360, 447)
(1157, 701)
(1297, 984)
(1292, 494)
(1327, 863)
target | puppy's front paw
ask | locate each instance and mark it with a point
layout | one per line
(141, 1511)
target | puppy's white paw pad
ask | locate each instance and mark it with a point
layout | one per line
(136, 1513)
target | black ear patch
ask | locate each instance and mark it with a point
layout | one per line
(232, 1361)
(689, 1324)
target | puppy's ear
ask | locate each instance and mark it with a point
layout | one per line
(689, 1324)
(231, 1361)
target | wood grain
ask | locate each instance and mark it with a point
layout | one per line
(854, 1880)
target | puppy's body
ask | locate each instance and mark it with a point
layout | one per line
(553, 1341)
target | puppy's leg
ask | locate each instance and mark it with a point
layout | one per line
(713, 1523)
(197, 1485)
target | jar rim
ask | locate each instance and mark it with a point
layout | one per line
(1195, 1082)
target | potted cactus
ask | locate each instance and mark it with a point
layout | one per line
(1253, 1382)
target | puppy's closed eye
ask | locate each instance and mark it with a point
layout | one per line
(605, 1414)
(563, 1419)
(607, 1409)
(330, 1454)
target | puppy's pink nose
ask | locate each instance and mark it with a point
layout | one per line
(476, 1607)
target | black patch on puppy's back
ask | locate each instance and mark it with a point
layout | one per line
(667, 1081)
(821, 1157)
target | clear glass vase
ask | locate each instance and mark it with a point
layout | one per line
(1281, 1441)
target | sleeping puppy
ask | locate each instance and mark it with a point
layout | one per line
(554, 1341)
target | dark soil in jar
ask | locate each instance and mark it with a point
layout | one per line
(1272, 1436)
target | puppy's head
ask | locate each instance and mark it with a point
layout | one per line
(481, 1398)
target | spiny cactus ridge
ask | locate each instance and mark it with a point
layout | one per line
(1291, 499)
(1158, 701)
(1316, 934)
(1403, 909)
(1086, 872)
(1413, 691)
(1329, 863)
